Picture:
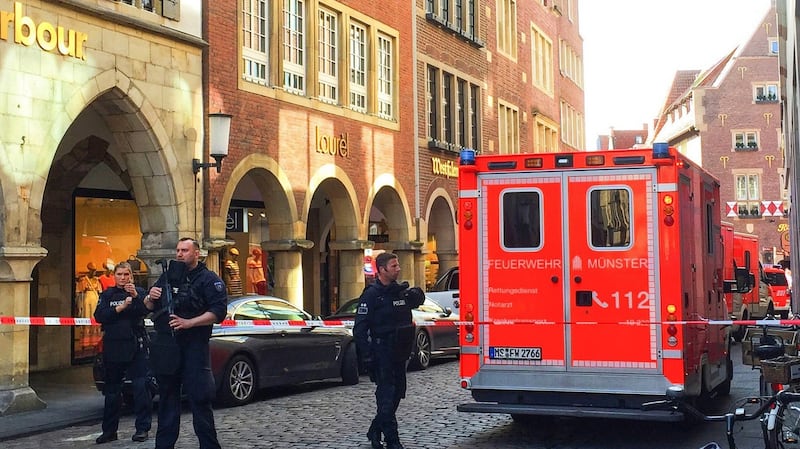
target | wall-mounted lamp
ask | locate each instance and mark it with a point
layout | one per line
(219, 126)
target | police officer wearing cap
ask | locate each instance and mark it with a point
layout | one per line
(183, 329)
(384, 334)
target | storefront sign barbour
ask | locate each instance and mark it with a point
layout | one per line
(48, 36)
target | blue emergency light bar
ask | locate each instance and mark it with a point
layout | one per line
(467, 156)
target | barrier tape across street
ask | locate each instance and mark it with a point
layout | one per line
(284, 324)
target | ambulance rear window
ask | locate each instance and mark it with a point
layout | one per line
(610, 211)
(521, 215)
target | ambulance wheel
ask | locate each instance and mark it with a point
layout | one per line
(724, 388)
(739, 330)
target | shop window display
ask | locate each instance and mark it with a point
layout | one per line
(107, 231)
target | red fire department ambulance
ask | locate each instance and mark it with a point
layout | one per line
(576, 272)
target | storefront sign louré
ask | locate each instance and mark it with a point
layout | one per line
(330, 144)
(444, 168)
(49, 37)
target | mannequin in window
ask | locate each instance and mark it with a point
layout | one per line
(232, 278)
(255, 273)
(89, 286)
(107, 279)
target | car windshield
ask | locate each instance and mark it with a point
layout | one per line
(430, 306)
(775, 278)
(269, 309)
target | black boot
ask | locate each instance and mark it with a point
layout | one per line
(394, 445)
(106, 437)
(374, 437)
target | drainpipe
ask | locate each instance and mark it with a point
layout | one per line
(415, 109)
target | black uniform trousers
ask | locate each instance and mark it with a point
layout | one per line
(198, 384)
(390, 380)
(112, 390)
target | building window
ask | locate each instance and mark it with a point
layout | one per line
(572, 126)
(745, 140)
(453, 111)
(507, 27)
(328, 56)
(542, 60)
(545, 136)
(508, 129)
(254, 41)
(294, 46)
(433, 103)
(570, 63)
(763, 93)
(474, 121)
(447, 107)
(385, 76)
(146, 5)
(358, 67)
(748, 195)
(773, 46)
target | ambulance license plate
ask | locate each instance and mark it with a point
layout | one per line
(499, 353)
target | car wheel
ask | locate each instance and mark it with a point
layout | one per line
(239, 382)
(350, 365)
(422, 350)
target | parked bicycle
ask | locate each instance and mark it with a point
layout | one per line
(779, 415)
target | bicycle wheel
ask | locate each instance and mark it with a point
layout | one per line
(785, 433)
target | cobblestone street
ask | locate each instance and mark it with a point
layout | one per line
(329, 415)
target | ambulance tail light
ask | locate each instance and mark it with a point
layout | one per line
(467, 216)
(466, 384)
(469, 328)
(668, 209)
(672, 328)
(595, 159)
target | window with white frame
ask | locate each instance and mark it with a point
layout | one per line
(294, 46)
(507, 27)
(146, 5)
(748, 195)
(447, 107)
(328, 56)
(508, 128)
(255, 46)
(358, 67)
(765, 92)
(385, 76)
(745, 140)
(773, 46)
(542, 60)
(474, 117)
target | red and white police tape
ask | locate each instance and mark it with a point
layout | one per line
(283, 324)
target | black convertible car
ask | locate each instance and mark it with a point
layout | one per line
(246, 357)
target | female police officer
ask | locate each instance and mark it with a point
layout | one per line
(121, 312)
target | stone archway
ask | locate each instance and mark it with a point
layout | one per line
(441, 233)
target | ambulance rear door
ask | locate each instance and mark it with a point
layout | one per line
(522, 280)
(611, 279)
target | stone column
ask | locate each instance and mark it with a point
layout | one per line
(150, 256)
(447, 260)
(288, 274)
(16, 265)
(351, 267)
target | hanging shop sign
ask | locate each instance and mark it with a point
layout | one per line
(49, 37)
(330, 144)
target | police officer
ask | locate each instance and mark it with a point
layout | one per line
(121, 312)
(384, 334)
(198, 301)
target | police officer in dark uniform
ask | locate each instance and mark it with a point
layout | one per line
(179, 350)
(121, 312)
(384, 334)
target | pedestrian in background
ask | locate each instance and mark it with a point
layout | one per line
(121, 312)
(384, 334)
(179, 353)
